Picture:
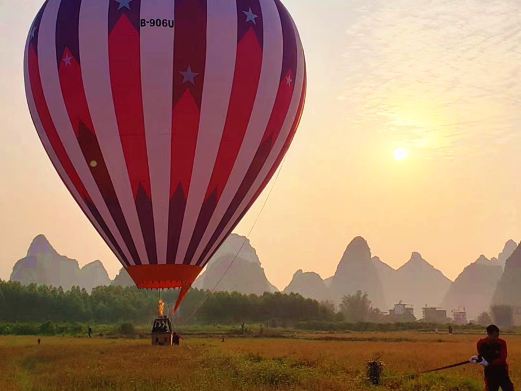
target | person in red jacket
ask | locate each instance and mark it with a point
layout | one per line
(492, 355)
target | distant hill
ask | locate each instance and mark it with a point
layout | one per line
(123, 279)
(235, 267)
(507, 252)
(389, 281)
(328, 281)
(474, 287)
(416, 283)
(419, 283)
(309, 285)
(43, 265)
(356, 271)
(93, 275)
(508, 290)
(237, 245)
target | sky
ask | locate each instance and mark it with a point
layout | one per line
(410, 137)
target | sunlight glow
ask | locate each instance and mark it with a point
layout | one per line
(401, 154)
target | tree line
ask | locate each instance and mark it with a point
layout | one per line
(115, 304)
(112, 304)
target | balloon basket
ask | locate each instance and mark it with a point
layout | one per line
(162, 332)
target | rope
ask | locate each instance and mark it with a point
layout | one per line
(256, 220)
(413, 375)
(460, 364)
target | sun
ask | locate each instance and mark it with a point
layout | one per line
(401, 154)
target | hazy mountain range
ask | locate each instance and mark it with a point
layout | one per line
(234, 267)
(43, 265)
(416, 282)
(237, 267)
(474, 287)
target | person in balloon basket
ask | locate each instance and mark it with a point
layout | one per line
(492, 355)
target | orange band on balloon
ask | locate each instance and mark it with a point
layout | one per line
(164, 276)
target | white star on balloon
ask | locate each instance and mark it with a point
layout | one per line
(123, 4)
(189, 76)
(289, 80)
(250, 16)
(67, 60)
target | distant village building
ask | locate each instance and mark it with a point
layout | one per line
(434, 315)
(460, 317)
(402, 309)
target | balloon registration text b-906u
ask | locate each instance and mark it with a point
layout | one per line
(167, 23)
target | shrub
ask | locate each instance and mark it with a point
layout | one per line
(127, 329)
(47, 328)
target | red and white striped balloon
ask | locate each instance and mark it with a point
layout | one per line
(165, 118)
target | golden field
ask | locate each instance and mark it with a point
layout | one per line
(305, 362)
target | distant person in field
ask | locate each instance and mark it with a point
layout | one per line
(492, 355)
(90, 332)
(176, 338)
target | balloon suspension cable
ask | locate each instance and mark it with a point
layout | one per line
(242, 245)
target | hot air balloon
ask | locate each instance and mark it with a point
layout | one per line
(165, 119)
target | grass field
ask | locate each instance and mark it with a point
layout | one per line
(308, 362)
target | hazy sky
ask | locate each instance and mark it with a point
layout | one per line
(439, 80)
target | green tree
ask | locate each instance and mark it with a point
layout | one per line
(503, 315)
(114, 304)
(127, 329)
(47, 328)
(356, 308)
(484, 319)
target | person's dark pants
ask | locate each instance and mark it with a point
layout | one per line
(496, 378)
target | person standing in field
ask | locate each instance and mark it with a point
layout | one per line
(492, 355)
(176, 338)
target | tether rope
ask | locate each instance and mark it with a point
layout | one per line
(246, 238)
(417, 374)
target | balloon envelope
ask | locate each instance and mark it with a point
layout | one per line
(165, 119)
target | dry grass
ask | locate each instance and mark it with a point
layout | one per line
(312, 362)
